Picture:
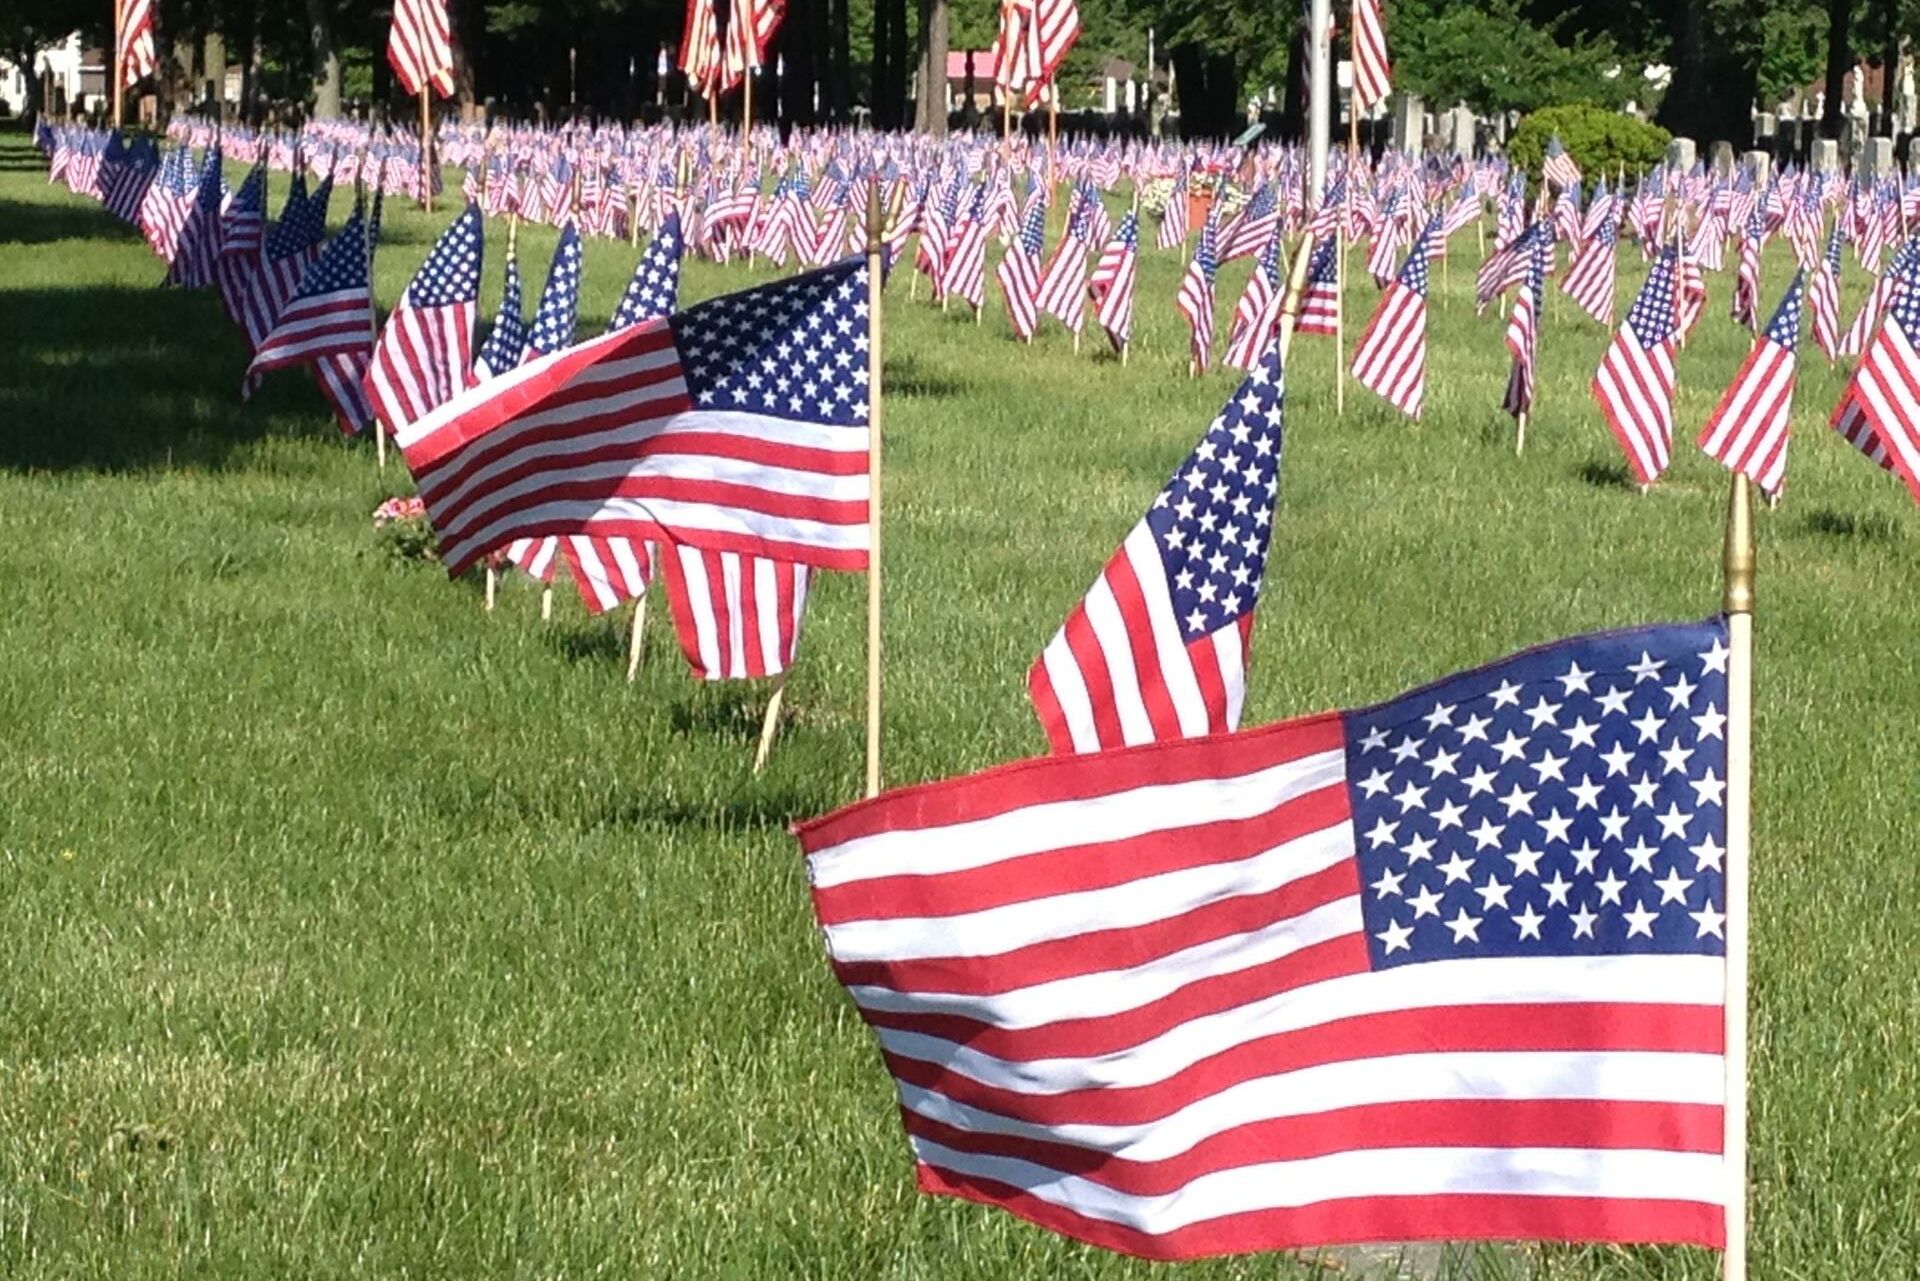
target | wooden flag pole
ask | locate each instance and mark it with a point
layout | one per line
(373, 322)
(426, 149)
(1340, 322)
(119, 90)
(876, 265)
(546, 601)
(770, 722)
(1296, 286)
(493, 585)
(1520, 442)
(636, 644)
(1739, 573)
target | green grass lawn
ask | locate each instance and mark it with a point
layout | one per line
(351, 931)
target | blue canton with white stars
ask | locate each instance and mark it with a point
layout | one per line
(794, 349)
(559, 308)
(1213, 521)
(1784, 329)
(655, 288)
(342, 265)
(506, 344)
(1414, 272)
(1651, 317)
(1033, 232)
(451, 274)
(1906, 299)
(1567, 801)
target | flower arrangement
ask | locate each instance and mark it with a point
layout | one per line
(407, 533)
(395, 509)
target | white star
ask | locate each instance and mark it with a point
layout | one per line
(1557, 890)
(1708, 790)
(1441, 762)
(1507, 695)
(1644, 790)
(1517, 801)
(1442, 714)
(1487, 835)
(1709, 853)
(1710, 723)
(1715, 659)
(1543, 712)
(1375, 783)
(1464, 927)
(1617, 760)
(1640, 920)
(1549, 766)
(1675, 757)
(1493, 893)
(1374, 739)
(1417, 850)
(1649, 726)
(1584, 856)
(1382, 833)
(1673, 887)
(1481, 780)
(1673, 823)
(1389, 883)
(1410, 796)
(1555, 826)
(1647, 669)
(1512, 747)
(1580, 733)
(1474, 727)
(1610, 887)
(1395, 937)
(1449, 815)
(1456, 868)
(1425, 903)
(1614, 701)
(1586, 793)
(1574, 680)
(1613, 827)
(1709, 921)
(1407, 749)
(1529, 922)
(1680, 692)
(1583, 921)
(1640, 855)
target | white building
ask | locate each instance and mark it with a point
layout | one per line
(78, 76)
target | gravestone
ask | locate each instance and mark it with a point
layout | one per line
(1876, 159)
(1721, 159)
(1456, 133)
(1913, 155)
(1826, 155)
(1765, 127)
(1409, 119)
(1759, 164)
(1681, 154)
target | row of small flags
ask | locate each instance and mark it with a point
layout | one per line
(1179, 990)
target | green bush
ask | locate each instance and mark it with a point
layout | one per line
(1601, 142)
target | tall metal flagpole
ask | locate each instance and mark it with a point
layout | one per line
(1739, 569)
(426, 148)
(1319, 74)
(119, 90)
(876, 264)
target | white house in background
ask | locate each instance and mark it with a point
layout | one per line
(79, 76)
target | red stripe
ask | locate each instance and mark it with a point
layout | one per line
(1205, 660)
(1596, 1028)
(1046, 705)
(1602, 1124)
(810, 554)
(1059, 778)
(1136, 620)
(1358, 1220)
(1091, 662)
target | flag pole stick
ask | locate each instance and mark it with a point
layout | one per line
(119, 90)
(373, 326)
(1296, 285)
(426, 150)
(636, 644)
(1739, 572)
(1340, 323)
(546, 601)
(876, 264)
(1520, 443)
(770, 722)
(493, 585)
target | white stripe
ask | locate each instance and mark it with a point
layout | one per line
(1176, 664)
(706, 628)
(1109, 625)
(1069, 687)
(1568, 1172)
(766, 600)
(1031, 829)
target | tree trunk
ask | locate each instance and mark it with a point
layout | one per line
(839, 63)
(460, 21)
(795, 42)
(324, 76)
(1293, 119)
(30, 75)
(931, 108)
(1839, 60)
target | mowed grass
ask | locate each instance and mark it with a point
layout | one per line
(350, 931)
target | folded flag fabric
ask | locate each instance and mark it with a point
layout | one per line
(1450, 966)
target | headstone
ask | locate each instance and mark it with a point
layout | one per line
(1765, 127)
(1913, 155)
(1456, 131)
(1681, 154)
(1758, 164)
(1409, 121)
(1876, 159)
(1721, 159)
(1429, 129)
(1826, 155)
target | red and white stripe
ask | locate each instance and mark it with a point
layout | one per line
(135, 56)
(1256, 320)
(1019, 281)
(608, 571)
(1747, 431)
(1392, 356)
(700, 47)
(1591, 280)
(1127, 997)
(1634, 386)
(1887, 387)
(420, 47)
(737, 617)
(1061, 289)
(1372, 75)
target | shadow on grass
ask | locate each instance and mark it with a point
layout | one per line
(768, 803)
(601, 640)
(27, 223)
(906, 377)
(1873, 529)
(1606, 475)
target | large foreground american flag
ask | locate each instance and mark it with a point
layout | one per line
(1447, 967)
(737, 425)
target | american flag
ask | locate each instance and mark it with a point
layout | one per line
(1389, 239)
(1634, 384)
(420, 47)
(1112, 282)
(125, 176)
(1032, 39)
(1558, 166)
(1250, 232)
(1372, 79)
(1746, 279)
(330, 314)
(1195, 297)
(134, 55)
(1392, 356)
(965, 274)
(739, 424)
(243, 233)
(1173, 216)
(1886, 386)
(1019, 272)
(1854, 341)
(1523, 332)
(1158, 648)
(196, 246)
(291, 245)
(506, 344)
(1061, 289)
(1748, 428)
(738, 617)
(1452, 966)
(655, 288)
(1591, 278)
(700, 47)
(608, 571)
(1320, 298)
(425, 354)
(555, 319)
(1256, 317)
(750, 28)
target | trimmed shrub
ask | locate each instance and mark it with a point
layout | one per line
(1600, 141)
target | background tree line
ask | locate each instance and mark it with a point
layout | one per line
(560, 57)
